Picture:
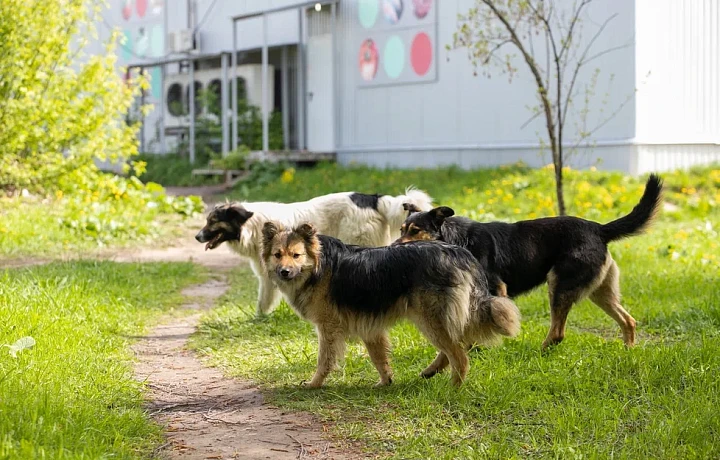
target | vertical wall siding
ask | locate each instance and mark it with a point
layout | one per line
(678, 45)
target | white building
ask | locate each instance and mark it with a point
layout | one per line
(371, 80)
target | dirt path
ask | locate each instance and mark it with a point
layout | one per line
(206, 415)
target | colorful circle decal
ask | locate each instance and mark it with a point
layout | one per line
(127, 9)
(368, 60)
(126, 45)
(392, 9)
(142, 42)
(157, 41)
(156, 83)
(421, 53)
(422, 8)
(141, 7)
(367, 12)
(394, 57)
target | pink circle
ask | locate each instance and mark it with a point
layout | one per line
(421, 53)
(127, 9)
(141, 7)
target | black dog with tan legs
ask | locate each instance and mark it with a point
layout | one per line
(569, 253)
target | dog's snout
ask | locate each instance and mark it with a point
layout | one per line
(284, 272)
(200, 237)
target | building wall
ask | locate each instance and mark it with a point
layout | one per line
(471, 120)
(678, 80)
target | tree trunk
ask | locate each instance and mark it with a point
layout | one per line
(559, 188)
(557, 155)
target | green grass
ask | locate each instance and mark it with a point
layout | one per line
(73, 394)
(589, 397)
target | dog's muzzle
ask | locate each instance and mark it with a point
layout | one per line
(201, 237)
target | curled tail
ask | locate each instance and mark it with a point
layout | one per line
(391, 207)
(640, 217)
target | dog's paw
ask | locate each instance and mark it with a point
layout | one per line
(384, 382)
(311, 385)
(428, 374)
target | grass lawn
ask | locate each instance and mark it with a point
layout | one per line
(589, 397)
(73, 395)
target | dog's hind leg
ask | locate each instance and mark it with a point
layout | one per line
(378, 349)
(607, 297)
(455, 352)
(567, 285)
(438, 365)
(331, 348)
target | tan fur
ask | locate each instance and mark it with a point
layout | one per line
(334, 214)
(604, 291)
(450, 322)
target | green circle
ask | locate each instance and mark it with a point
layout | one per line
(157, 41)
(126, 48)
(394, 57)
(367, 12)
(156, 83)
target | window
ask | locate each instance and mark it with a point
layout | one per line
(174, 100)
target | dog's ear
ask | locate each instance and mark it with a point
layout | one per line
(439, 214)
(238, 213)
(270, 231)
(410, 208)
(306, 231)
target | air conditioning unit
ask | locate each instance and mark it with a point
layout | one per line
(183, 41)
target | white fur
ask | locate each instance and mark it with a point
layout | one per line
(333, 215)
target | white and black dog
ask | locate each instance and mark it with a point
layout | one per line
(354, 218)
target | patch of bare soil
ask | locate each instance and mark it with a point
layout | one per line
(206, 415)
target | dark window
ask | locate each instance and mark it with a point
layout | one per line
(174, 100)
(198, 98)
(214, 96)
(241, 89)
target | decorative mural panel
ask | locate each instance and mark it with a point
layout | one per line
(142, 24)
(396, 41)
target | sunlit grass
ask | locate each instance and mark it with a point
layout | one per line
(73, 394)
(590, 397)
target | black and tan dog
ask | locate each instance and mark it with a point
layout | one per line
(348, 291)
(570, 253)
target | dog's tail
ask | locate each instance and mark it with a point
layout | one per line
(505, 316)
(391, 207)
(495, 317)
(640, 217)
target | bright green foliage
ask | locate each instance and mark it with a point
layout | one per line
(588, 398)
(60, 112)
(72, 394)
(59, 109)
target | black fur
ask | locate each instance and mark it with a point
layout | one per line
(371, 280)
(363, 200)
(522, 254)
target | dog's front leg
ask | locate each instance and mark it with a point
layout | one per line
(268, 296)
(378, 349)
(332, 347)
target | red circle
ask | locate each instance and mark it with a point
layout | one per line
(127, 9)
(421, 53)
(141, 7)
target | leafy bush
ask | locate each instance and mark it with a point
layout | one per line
(60, 113)
(172, 169)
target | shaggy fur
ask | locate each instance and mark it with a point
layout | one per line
(355, 218)
(350, 291)
(570, 253)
